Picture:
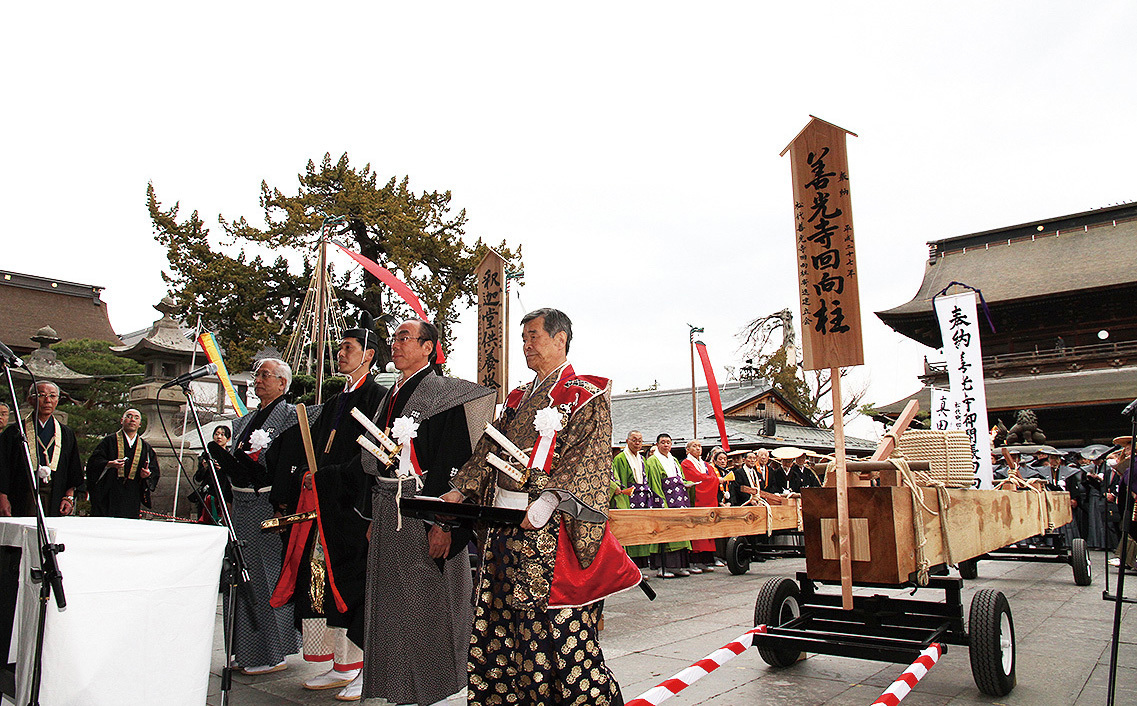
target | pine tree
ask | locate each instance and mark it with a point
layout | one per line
(250, 303)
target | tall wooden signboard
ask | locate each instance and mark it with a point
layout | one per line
(491, 323)
(826, 257)
(827, 287)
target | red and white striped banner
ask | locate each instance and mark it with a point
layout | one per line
(698, 670)
(900, 688)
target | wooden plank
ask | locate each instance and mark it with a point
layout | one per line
(844, 540)
(632, 527)
(888, 443)
(978, 521)
(492, 351)
(859, 531)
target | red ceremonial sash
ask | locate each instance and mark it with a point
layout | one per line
(297, 540)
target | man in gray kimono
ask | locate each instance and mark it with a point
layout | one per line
(418, 615)
(264, 635)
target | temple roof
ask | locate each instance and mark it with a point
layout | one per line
(29, 302)
(669, 411)
(1080, 253)
(1099, 386)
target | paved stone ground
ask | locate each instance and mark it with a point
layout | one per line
(1063, 636)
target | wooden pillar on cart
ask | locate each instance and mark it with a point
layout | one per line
(827, 286)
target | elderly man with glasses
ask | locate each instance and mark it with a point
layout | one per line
(55, 455)
(264, 635)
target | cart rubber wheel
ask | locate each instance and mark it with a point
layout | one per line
(737, 556)
(969, 569)
(778, 604)
(1080, 559)
(992, 643)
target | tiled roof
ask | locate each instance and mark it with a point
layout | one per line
(669, 411)
(1098, 386)
(28, 303)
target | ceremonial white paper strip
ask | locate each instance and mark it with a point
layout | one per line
(959, 326)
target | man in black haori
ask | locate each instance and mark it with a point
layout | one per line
(264, 635)
(535, 639)
(325, 565)
(122, 471)
(417, 612)
(55, 456)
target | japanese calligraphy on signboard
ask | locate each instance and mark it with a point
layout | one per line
(945, 412)
(826, 256)
(959, 327)
(491, 323)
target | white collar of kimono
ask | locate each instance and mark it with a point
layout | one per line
(637, 465)
(537, 383)
(670, 465)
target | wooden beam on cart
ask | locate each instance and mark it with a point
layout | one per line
(632, 527)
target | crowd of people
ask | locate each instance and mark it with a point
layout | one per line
(1094, 477)
(658, 479)
(384, 600)
(388, 603)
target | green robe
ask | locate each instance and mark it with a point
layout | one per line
(622, 472)
(653, 469)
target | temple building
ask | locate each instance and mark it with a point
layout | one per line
(1060, 294)
(72, 310)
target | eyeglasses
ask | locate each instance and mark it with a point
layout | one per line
(264, 374)
(407, 337)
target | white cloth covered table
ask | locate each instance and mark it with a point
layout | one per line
(141, 607)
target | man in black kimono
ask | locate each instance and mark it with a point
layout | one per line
(122, 471)
(418, 614)
(54, 452)
(325, 565)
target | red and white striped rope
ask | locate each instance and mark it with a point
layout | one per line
(900, 688)
(698, 670)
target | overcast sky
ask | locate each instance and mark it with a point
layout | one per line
(631, 149)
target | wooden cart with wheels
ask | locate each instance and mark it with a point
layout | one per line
(800, 619)
(780, 544)
(1075, 554)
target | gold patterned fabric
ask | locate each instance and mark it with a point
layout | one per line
(520, 651)
(527, 656)
(582, 465)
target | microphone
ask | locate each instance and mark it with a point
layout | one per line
(192, 375)
(7, 356)
(1127, 412)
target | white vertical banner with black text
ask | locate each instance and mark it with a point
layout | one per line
(959, 327)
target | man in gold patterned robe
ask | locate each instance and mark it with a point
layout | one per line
(532, 645)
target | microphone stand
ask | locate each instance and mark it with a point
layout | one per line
(48, 575)
(1119, 598)
(235, 567)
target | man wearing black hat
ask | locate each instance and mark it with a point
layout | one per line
(1059, 476)
(326, 562)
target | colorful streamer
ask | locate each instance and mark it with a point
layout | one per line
(213, 353)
